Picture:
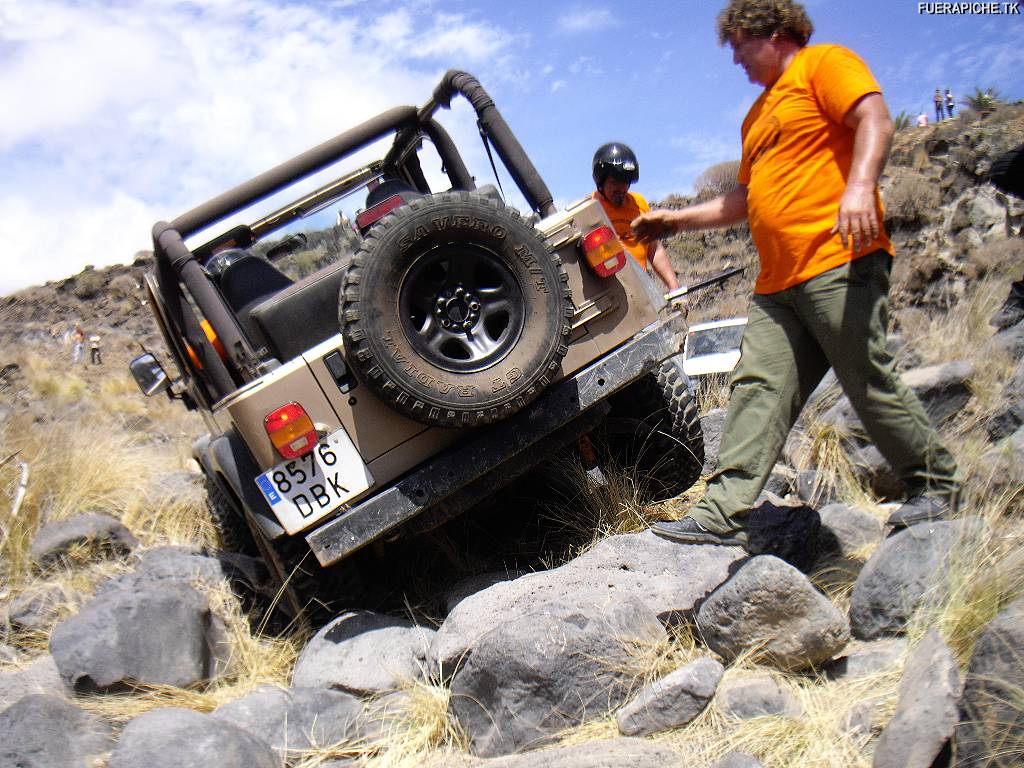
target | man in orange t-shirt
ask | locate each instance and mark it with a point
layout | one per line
(615, 168)
(814, 144)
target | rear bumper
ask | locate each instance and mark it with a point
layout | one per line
(491, 456)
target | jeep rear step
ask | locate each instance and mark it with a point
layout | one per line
(452, 482)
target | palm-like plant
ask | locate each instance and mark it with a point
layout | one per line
(902, 121)
(982, 102)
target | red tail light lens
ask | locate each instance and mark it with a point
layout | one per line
(604, 251)
(377, 212)
(290, 430)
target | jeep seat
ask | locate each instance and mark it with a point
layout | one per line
(303, 314)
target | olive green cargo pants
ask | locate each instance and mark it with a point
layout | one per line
(837, 319)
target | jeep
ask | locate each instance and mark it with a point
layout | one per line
(417, 359)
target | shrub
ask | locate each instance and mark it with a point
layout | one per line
(982, 102)
(717, 180)
(909, 200)
(123, 285)
(88, 283)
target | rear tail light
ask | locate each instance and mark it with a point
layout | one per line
(377, 212)
(290, 430)
(604, 251)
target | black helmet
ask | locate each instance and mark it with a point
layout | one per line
(615, 159)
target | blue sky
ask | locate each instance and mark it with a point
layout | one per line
(123, 113)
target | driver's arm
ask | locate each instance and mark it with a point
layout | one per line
(662, 265)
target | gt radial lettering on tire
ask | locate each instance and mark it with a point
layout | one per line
(455, 311)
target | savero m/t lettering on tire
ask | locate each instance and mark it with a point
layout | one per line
(455, 310)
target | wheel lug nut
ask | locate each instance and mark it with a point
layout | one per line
(467, 325)
(446, 323)
(460, 292)
(474, 305)
(440, 303)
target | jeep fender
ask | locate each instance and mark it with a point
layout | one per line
(226, 459)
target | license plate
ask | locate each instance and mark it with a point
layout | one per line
(304, 490)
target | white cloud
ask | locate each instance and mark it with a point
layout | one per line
(696, 152)
(581, 18)
(586, 65)
(124, 114)
(558, 85)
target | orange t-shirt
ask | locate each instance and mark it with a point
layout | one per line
(796, 157)
(621, 218)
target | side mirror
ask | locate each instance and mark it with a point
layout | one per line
(149, 374)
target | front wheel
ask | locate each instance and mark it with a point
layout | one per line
(653, 430)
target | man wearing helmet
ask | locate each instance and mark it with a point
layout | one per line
(813, 146)
(615, 168)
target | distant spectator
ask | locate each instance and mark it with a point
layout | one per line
(1007, 173)
(94, 350)
(77, 345)
(937, 98)
(922, 120)
(950, 103)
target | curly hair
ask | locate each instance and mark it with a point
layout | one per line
(762, 18)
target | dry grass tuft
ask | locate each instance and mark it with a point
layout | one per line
(594, 506)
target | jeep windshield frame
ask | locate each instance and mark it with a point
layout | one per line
(191, 297)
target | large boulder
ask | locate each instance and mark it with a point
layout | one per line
(758, 695)
(184, 565)
(672, 701)
(37, 610)
(874, 471)
(41, 731)
(991, 729)
(927, 709)
(864, 658)
(669, 577)
(1005, 461)
(559, 666)
(41, 676)
(173, 737)
(908, 568)
(789, 531)
(606, 753)
(738, 760)
(87, 531)
(295, 720)
(770, 609)
(1010, 419)
(364, 653)
(164, 634)
(847, 530)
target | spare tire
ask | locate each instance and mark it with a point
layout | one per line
(455, 311)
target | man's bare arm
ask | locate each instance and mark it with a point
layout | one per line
(662, 265)
(722, 211)
(857, 219)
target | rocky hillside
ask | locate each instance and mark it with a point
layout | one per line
(130, 637)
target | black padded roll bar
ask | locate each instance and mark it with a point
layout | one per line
(456, 170)
(170, 249)
(290, 171)
(511, 152)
